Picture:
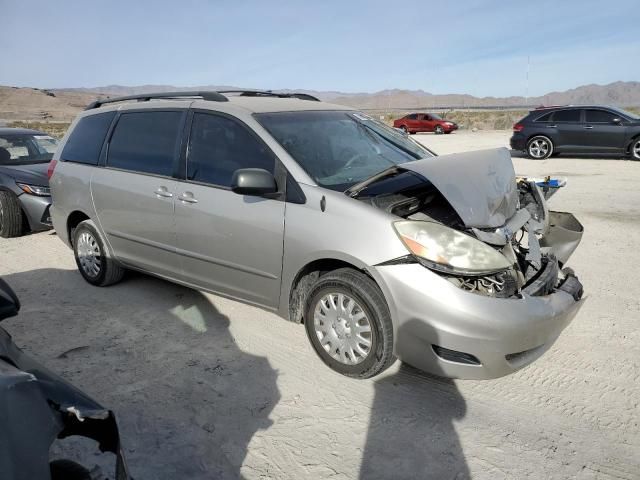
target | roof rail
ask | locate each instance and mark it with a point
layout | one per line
(269, 93)
(145, 97)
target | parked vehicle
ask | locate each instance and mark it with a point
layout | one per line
(326, 217)
(37, 407)
(24, 188)
(424, 122)
(577, 129)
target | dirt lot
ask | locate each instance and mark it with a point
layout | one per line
(207, 388)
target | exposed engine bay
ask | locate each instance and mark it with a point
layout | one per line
(506, 212)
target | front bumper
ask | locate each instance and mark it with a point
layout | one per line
(518, 142)
(37, 211)
(502, 334)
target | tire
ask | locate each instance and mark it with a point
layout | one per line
(10, 215)
(362, 298)
(439, 130)
(68, 470)
(634, 149)
(404, 128)
(539, 147)
(448, 133)
(95, 266)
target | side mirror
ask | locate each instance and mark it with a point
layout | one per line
(253, 181)
(617, 120)
(9, 303)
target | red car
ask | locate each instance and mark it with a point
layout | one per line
(424, 122)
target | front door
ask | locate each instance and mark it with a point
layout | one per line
(134, 194)
(228, 243)
(602, 134)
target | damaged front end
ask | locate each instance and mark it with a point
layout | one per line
(469, 218)
(37, 406)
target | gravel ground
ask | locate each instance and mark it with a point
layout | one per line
(207, 388)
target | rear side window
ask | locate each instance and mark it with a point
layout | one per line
(599, 116)
(146, 142)
(85, 142)
(566, 116)
(413, 116)
(544, 118)
(219, 146)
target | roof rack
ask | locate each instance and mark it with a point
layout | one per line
(145, 97)
(269, 93)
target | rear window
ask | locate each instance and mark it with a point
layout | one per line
(147, 142)
(85, 142)
(566, 116)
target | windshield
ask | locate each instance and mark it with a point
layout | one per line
(435, 117)
(339, 149)
(627, 114)
(19, 149)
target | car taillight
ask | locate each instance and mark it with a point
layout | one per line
(518, 127)
(52, 166)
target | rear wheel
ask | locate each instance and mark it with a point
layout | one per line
(10, 215)
(348, 324)
(95, 266)
(635, 149)
(540, 147)
(404, 128)
(439, 130)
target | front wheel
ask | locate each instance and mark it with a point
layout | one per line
(439, 130)
(348, 324)
(540, 147)
(10, 215)
(95, 266)
(635, 149)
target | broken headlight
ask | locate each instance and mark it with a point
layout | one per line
(449, 251)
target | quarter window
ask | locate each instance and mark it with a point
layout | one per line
(147, 142)
(219, 146)
(566, 116)
(599, 116)
(544, 118)
(85, 142)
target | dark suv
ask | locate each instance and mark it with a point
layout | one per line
(577, 129)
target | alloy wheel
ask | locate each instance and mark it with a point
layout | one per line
(635, 152)
(343, 328)
(539, 148)
(89, 254)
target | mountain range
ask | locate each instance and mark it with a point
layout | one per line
(64, 103)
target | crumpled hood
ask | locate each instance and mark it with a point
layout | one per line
(480, 186)
(33, 174)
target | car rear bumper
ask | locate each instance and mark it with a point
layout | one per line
(446, 331)
(37, 210)
(518, 142)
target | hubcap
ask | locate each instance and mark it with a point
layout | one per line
(89, 255)
(343, 329)
(539, 148)
(636, 153)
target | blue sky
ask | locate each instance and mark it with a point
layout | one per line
(475, 47)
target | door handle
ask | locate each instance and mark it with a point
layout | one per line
(187, 197)
(163, 192)
(588, 127)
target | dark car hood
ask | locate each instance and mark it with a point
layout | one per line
(480, 186)
(33, 173)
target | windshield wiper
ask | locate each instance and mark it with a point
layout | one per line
(354, 190)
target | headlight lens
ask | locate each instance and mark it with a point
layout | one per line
(35, 189)
(448, 250)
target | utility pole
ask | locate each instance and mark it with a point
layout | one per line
(526, 95)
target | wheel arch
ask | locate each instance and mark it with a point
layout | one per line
(306, 276)
(73, 220)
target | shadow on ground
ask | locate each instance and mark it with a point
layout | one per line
(187, 398)
(411, 432)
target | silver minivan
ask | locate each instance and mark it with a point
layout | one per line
(326, 217)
